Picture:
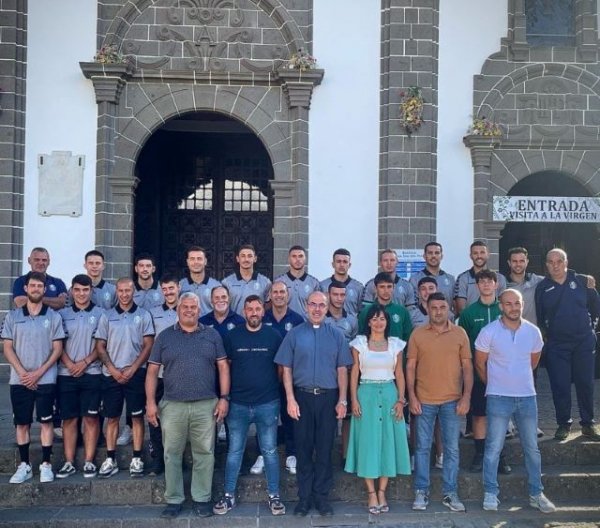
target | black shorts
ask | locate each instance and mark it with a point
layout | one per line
(23, 400)
(79, 396)
(478, 399)
(133, 393)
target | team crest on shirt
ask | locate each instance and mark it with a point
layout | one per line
(137, 319)
(572, 285)
(288, 327)
(230, 326)
(396, 318)
(92, 320)
(306, 288)
(46, 323)
(107, 296)
(351, 293)
(52, 287)
(256, 286)
(446, 281)
(156, 296)
(345, 325)
(206, 294)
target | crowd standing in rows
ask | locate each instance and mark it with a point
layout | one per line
(192, 353)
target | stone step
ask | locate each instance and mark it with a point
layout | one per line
(575, 451)
(348, 514)
(562, 483)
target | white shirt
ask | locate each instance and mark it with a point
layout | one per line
(378, 365)
(509, 352)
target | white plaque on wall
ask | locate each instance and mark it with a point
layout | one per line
(568, 209)
(60, 176)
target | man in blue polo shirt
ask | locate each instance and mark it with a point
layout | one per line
(104, 293)
(315, 360)
(221, 318)
(55, 293)
(198, 280)
(32, 337)
(147, 292)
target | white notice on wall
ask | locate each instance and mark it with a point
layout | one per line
(546, 209)
(60, 177)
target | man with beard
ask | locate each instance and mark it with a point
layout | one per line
(300, 284)
(222, 318)
(197, 280)
(32, 337)
(123, 340)
(147, 293)
(246, 280)
(254, 398)
(433, 255)
(465, 288)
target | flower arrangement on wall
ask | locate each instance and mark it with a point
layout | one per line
(482, 126)
(302, 61)
(411, 109)
(110, 55)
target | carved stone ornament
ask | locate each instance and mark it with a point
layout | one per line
(108, 79)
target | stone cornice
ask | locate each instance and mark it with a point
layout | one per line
(481, 149)
(108, 79)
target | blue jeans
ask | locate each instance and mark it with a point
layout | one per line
(450, 426)
(524, 411)
(265, 417)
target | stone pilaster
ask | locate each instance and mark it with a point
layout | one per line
(408, 164)
(13, 51)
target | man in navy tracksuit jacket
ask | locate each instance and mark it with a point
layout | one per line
(567, 313)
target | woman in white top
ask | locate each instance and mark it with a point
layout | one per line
(378, 448)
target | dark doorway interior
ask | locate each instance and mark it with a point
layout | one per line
(580, 241)
(204, 180)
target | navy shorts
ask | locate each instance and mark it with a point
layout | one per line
(79, 396)
(478, 399)
(23, 401)
(114, 394)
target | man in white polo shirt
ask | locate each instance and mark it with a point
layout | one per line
(507, 351)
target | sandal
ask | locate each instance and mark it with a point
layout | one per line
(373, 510)
(383, 506)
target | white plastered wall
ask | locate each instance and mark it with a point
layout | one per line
(61, 116)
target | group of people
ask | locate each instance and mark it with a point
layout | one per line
(189, 354)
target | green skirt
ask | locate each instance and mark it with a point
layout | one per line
(378, 446)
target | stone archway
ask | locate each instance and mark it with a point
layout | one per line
(134, 102)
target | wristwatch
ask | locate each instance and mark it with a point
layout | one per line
(343, 402)
(225, 397)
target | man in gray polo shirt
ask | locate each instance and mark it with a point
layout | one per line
(433, 255)
(354, 290)
(32, 337)
(123, 340)
(403, 294)
(300, 284)
(246, 281)
(197, 280)
(163, 317)
(79, 375)
(147, 293)
(189, 352)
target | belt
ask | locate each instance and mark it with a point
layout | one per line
(378, 382)
(314, 390)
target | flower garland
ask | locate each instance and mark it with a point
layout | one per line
(110, 55)
(302, 61)
(411, 109)
(483, 127)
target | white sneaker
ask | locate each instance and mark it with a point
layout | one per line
(108, 468)
(258, 466)
(542, 503)
(58, 432)
(290, 464)
(136, 468)
(439, 461)
(67, 470)
(22, 474)
(125, 437)
(89, 470)
(421, 500)
(490, 502)
(46, 473)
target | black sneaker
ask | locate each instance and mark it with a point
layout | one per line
(302, 508)
(224, 505)
(591, 431)
(324, 508)
(66, 471)
(562, 432)
(171, 511)
(477, 464)
(202, 509)
(155, 467)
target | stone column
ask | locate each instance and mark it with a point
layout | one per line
(408, 164)
(481, 158)
(291, 198)
(13, 49)
(114, 193)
